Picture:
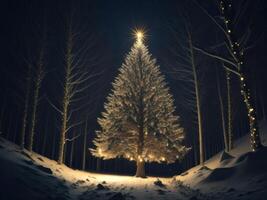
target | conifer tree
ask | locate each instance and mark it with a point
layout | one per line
(139, 123)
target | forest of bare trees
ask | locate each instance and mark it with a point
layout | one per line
(54, 109)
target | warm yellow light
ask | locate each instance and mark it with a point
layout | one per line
(139, 34)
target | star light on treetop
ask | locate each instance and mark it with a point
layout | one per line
(139, 35)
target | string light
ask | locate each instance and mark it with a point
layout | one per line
(150, 156)
(255, 139)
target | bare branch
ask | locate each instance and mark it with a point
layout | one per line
(72, 139)
(212, 18)
(57, 109)
(231, 70)
(73, 125)
(215, 56)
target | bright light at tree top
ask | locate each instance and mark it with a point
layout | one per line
(139, 35)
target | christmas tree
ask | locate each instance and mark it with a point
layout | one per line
(139, 122)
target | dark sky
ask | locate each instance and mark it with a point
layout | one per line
(111, 23)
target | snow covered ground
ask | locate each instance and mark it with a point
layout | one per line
(243, 175)
(32, 176)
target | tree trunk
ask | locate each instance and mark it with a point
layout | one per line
(263, 107)
(195, 154)
(71, 152)
(15, 130)
(66, 97)
(26, 107)
(255, 140)
(226, 146)
(39, 78)
(65, 153)
(53, 146)
(238, 55)
(200, 134)
(33, 121)
(84, 147)
(229, 106)
(140, 169)
(45, 136)
(62, 134)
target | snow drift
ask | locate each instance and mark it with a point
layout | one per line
(242, 174)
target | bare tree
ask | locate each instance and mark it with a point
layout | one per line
(84, 145)
(197, 93)
(236, 46)
(37, 85)
(26, 106)
(226, 145)
(72, 150)
(263, 107)
(229, 111)
(43, 146)
(77, 79)
(186, 71)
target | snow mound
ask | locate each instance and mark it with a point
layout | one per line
(225, 156)
(240, 174)
(23, 178)
(246, 165)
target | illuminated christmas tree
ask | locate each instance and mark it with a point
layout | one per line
(139, 122)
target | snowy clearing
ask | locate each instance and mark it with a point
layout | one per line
(238, 176)
(37, 177)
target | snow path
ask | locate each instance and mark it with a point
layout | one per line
(45, 179)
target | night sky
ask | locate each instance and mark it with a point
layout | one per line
(108, 26)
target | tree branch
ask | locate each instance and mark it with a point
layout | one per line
(215, 56)
(72, 139)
